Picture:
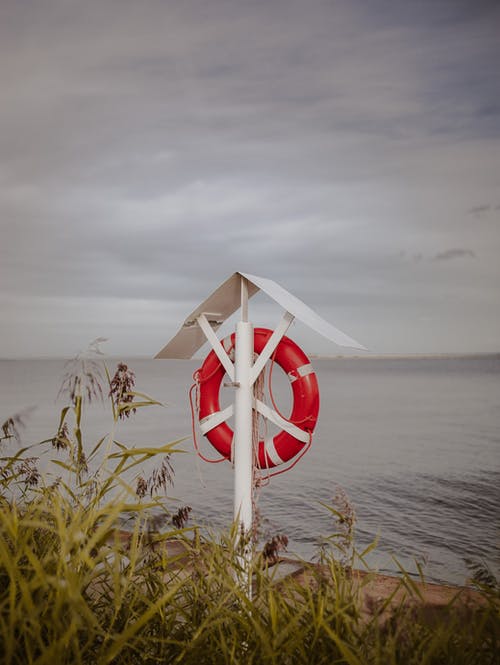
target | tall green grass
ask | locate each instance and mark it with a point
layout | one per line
(75, 589)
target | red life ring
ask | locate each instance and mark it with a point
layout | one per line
(285, 445)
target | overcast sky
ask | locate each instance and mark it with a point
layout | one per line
(348, 150)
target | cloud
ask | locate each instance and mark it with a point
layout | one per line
(149, 151)
(450, 254)
(483, 211)
(477, 211)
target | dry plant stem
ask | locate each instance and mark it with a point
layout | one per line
(111, 435)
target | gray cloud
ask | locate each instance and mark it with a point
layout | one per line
(479, 210)
(454, 254)
(149, 151)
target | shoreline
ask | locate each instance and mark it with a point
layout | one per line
(379, 593)
(409, 356)
(311, 355)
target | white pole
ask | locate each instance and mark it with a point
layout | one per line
(243, 423)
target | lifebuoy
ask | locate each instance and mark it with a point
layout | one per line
(297, 429)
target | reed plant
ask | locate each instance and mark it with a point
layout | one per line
(75, 588)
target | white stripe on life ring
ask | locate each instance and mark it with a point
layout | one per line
(303, 370)
(285, 425)
(271, 451)
(216, 418)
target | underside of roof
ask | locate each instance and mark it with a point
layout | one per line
(226, 299)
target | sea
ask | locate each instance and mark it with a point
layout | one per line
(412, 442)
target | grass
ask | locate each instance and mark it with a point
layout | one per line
(74, 591)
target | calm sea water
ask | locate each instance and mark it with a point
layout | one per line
(415, 444)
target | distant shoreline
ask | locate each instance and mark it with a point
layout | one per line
(313, 356)
(407, 356)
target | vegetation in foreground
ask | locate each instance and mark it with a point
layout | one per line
(74, 590)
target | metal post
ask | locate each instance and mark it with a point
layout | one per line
(243, 425)
(243, 461)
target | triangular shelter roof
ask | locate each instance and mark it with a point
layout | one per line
(226, 299)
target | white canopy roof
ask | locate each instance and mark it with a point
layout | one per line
(226, 299)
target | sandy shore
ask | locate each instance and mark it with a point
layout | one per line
(378, 593)
(382, 594)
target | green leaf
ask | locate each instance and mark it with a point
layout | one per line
(151, 451)
(78, 410)
(115, 415)
(123, 407)
(97, 446)
(63, 417)
(151, 400)
(13, 458)
(121, 639)
(71, 468)
(368, 549)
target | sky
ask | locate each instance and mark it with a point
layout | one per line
(348, 150)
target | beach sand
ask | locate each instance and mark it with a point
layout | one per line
(378, 594)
